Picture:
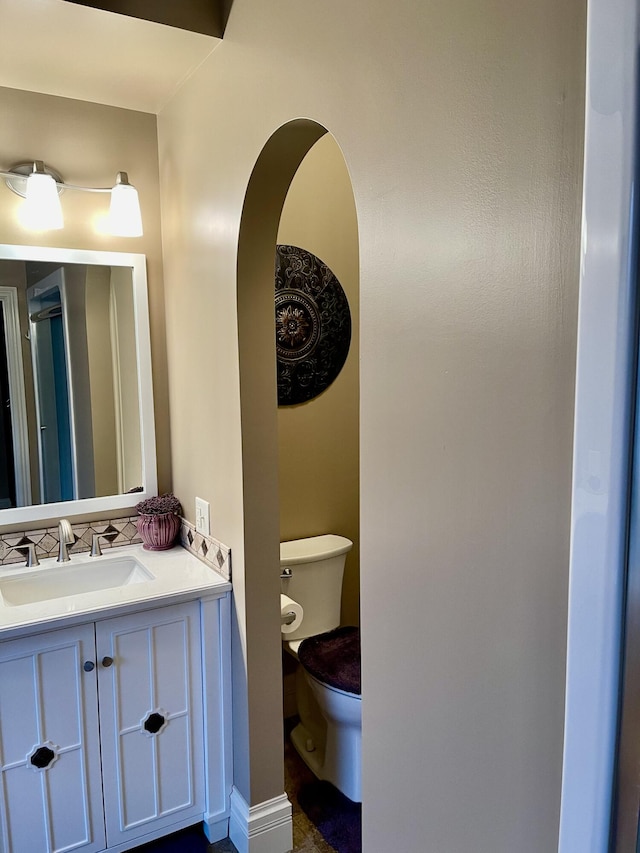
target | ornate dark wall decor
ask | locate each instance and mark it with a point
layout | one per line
(313, 325)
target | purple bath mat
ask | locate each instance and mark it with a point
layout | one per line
(337, 818)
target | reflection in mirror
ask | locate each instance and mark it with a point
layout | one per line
(76, 420)
(80, 332)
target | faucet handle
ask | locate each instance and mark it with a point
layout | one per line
(30, 548)
(108, 535)
(96, 550)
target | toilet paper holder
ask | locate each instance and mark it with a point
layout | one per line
(291, 614)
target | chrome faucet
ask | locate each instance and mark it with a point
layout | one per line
(65, 537)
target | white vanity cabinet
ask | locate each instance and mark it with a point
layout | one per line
(113, 733)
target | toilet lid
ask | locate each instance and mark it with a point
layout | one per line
(334, 658)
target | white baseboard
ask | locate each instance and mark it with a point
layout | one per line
(264, 828)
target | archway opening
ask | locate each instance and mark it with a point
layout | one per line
(292, 198)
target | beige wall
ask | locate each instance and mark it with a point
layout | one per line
(88, 144)
(318, 440)
(461, 127)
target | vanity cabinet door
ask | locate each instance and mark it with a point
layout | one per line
(50, 778)
(150, 693)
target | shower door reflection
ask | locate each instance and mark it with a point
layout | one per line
(50, 369)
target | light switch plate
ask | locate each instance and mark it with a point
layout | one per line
(202, 516)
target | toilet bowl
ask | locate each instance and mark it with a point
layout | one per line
(328, 736)
(331, 665)
(342, 752)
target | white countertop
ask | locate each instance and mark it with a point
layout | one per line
(176, 576)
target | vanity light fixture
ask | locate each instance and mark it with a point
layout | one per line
(41, 186)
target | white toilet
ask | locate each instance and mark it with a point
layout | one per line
(328, 736)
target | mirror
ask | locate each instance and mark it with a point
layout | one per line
(76, 403)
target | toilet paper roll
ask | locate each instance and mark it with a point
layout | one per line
(288, 606)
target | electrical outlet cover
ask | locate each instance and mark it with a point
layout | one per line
(202, 516)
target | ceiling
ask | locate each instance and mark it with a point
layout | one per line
(73, 51)
(199, 16)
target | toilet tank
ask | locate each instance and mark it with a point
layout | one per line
(317, 566)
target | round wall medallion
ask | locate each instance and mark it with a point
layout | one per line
(313, 325)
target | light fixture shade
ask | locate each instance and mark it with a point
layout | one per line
(42, 208)
(125, 219)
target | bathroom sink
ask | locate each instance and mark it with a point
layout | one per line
(92, 575)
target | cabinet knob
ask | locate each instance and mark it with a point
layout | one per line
(88, 666)
(107, 661)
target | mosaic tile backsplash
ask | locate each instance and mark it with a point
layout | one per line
(115, 532)
(206, 548)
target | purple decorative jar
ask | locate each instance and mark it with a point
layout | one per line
(158, 532)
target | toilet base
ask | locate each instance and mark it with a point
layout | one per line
(347, 781)
(314, 759)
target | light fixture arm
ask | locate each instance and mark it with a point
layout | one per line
(20, 177)
(121, 178)
(64, 186)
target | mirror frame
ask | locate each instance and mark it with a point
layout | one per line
(110, 503)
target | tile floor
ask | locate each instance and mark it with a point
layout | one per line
(306, 838)
(223, 847)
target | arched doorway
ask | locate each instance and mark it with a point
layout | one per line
(265, 197)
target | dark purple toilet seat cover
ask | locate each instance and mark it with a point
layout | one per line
(334, 658)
